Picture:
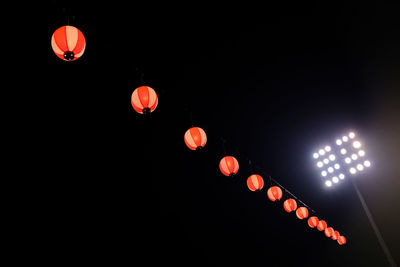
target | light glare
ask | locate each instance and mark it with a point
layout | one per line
(335, 179)
(328, 183)
(315, 155)
(343, 151)
(337, 166)
(353, 170)
(326, 161)
(323, 173)
(347, 160)
(367, 163)
(354, 157)
(327, 148)
(352, 135)
(356, 144)
(361, 153)
(330, 169)
(360, 167)
(345, 138)
(341, 176)
(338, 142)
(321, 152)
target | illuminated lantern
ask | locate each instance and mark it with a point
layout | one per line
(313, 221)
(329, 231)
(255, 182)
(335, 235)
(68, 43)
(302, 213)
(229, 166)
(195, 138)
(322, 225)
(274, 193)
(144, 100)
(290, 205)
(341, 240)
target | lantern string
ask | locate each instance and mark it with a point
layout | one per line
(223, 141)
(250, 167)
(191, 118)
(272, 180)
(290, 193)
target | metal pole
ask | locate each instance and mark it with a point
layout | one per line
(374, 227)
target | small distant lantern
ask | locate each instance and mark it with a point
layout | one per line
(335, 235)
(321, 225)
(255, 182)
(329, 231)
(290, 205)
(313, 221)
(144, 100)
(229, 166)
(195, 138)
(341, 240)
(302, 213)
(274, 193)
(68, 43)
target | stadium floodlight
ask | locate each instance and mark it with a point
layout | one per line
(342, 157)
(348, 153)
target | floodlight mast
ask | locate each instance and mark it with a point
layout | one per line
(353, 170)
(373, 225)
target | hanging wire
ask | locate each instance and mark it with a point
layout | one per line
(223, 142)
(290, 193)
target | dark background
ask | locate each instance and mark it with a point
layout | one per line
(275, 82)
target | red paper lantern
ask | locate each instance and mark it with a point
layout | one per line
(341, 240)
(335, 235)
(274, 193)
(255, 182)
(329, 231)
(68, 43)
(229, 166)
(312, 221)
(290, 205)
(322, 225)
(302, 213)
(144, 100)
(195, 138)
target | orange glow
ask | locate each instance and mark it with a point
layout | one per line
(144, 100)
(274, 193)
(302, 213)
(341, 240)
(290, 205)
(68, 43)
(195, 138)
(229, 166)
(329, 231)
(322, 225)
(335, 235)
(312, 221)
(255, 182)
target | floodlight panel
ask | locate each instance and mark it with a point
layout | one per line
(348, 152)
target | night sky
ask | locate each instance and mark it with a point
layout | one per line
(274, 82)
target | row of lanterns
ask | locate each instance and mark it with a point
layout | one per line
(274, 193)
(68, 43)
(144, 100)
